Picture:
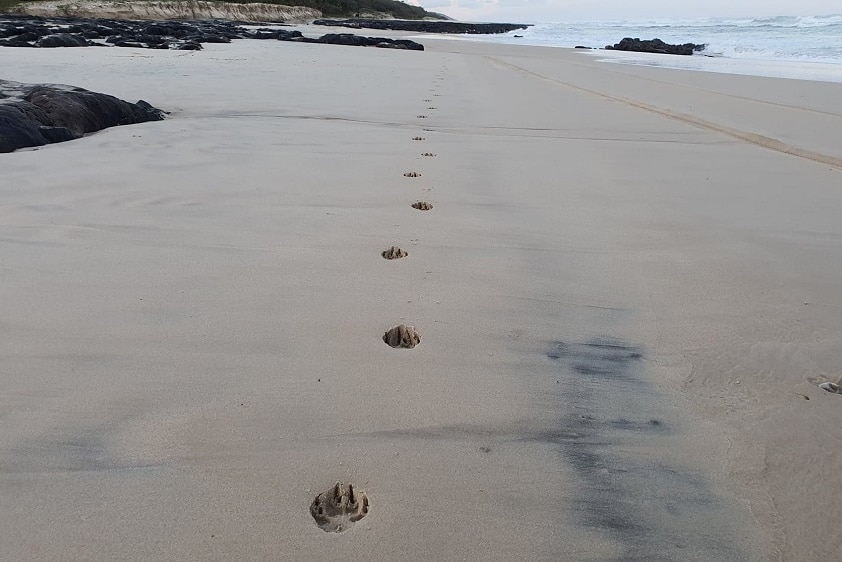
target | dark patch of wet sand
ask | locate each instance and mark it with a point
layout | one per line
(616, 429)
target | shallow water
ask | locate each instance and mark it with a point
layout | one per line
(807, 48)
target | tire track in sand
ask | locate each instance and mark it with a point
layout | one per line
(745, 136)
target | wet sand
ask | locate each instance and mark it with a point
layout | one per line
(625, 290)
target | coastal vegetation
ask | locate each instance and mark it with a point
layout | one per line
(350, 8)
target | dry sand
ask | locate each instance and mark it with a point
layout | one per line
(626, 290)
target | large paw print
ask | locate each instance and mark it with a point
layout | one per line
(339, 508)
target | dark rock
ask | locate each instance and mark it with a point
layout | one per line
(18, 130)
(407, 44)
(339, 39)
(152, 40)
(28, 31)
(81, 111)
(29, 36)
(157, 29)
(427, 26)
(655, 46)
(263, 34)
(34, 115)
(62, 40)
(362, 41)
(17, 42)
(56, 134)
(285, 35)
(212, 39)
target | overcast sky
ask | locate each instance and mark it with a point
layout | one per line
(531, 11)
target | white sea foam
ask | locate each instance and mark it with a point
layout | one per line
(810, 46)
(818, 71)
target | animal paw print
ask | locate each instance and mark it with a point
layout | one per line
(394, 253)
(402, 336)
(340, 507)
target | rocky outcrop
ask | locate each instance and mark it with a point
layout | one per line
(175, 10)
(62, 40)
(427, 26)
(361, 41)
(20, 31)
(348, 39)
(655, 46)
(35, 115)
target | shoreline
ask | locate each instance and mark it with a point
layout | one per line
(813, 71)
(806, 69)
(809, 70)
(621, 311)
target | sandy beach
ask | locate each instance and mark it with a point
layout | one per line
(627, 290)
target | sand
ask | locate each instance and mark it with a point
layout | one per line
(627, 289)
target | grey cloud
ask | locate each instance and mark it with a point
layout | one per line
(474, 3)
(521, 3)
(436, 3)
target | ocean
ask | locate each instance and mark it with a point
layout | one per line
(800, 47)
